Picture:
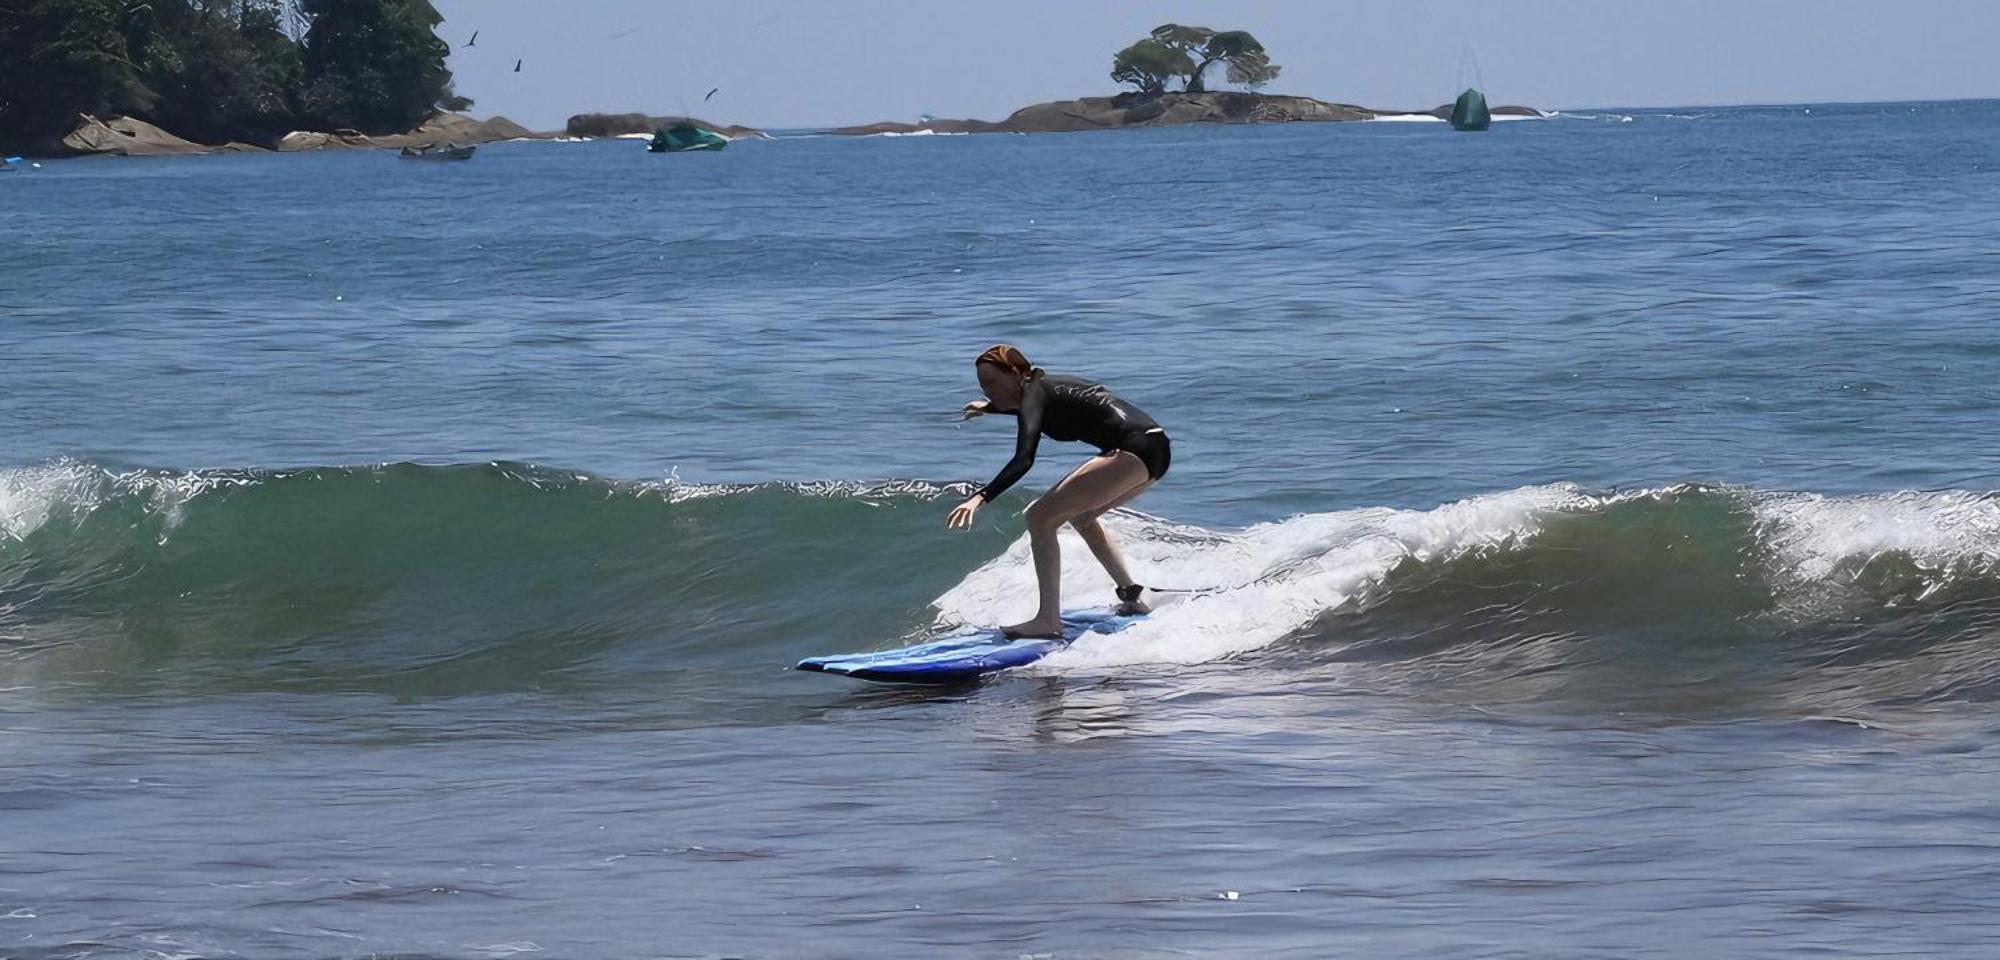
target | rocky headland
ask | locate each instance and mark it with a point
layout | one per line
(130, 137)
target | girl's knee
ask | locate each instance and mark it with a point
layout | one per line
(1042, 517)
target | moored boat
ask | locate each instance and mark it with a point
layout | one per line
(443, 151)
(1470, 112)
(684, 138)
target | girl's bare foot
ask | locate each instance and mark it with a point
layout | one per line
(1033, 629)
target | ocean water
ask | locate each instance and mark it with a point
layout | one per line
(1591, 525)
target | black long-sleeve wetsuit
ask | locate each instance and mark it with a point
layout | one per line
(1071, 409)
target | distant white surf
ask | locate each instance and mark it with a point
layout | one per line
(1427, 118)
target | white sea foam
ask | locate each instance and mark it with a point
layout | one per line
(1272, 580)
(31, 496)
(1260, 585)
(28, 495)
(1815, 538)
(1427, 118)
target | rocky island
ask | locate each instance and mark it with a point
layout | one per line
(1174, 54)
(1163, 110)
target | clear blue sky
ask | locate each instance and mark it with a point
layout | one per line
(802, 63)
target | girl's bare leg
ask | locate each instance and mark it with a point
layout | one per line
(1094, 486)
(1101, 546)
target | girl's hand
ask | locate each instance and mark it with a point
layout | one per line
(976, 408)
(961, 515)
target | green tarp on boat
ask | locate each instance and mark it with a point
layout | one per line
(1470, 113)
(685, 136)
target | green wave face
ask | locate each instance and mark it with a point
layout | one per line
(423, 580)
(437, 581)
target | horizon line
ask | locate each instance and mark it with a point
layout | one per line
(1554, 110)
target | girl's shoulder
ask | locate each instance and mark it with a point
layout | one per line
(1065, 384)
(1073, 388)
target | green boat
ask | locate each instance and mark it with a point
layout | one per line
(683, 137)
(1470, 112)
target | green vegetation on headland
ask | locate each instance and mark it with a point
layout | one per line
(220, 71)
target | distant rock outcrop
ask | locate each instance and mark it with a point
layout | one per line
(621, 124)
(928, 126)
(1135, 110)
(129, 137)
(124, 137)
(440, 128)
(1161, 110)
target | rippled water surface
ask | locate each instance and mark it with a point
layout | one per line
(1588, 525)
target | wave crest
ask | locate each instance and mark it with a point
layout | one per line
(499, 576)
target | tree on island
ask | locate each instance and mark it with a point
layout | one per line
(1174, 50)
(1149, 64)
(219, 70)
(1247, 62)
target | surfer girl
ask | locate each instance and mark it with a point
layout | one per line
(1133, 454)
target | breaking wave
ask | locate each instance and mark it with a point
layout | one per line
(444, 579)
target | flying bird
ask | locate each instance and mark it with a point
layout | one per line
(517, 66)
(710, 94)
(474, 41)
(626, 33)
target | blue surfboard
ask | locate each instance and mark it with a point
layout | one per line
(964, 656)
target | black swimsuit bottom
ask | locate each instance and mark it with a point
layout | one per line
(1070, 409)
(1153, 450)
